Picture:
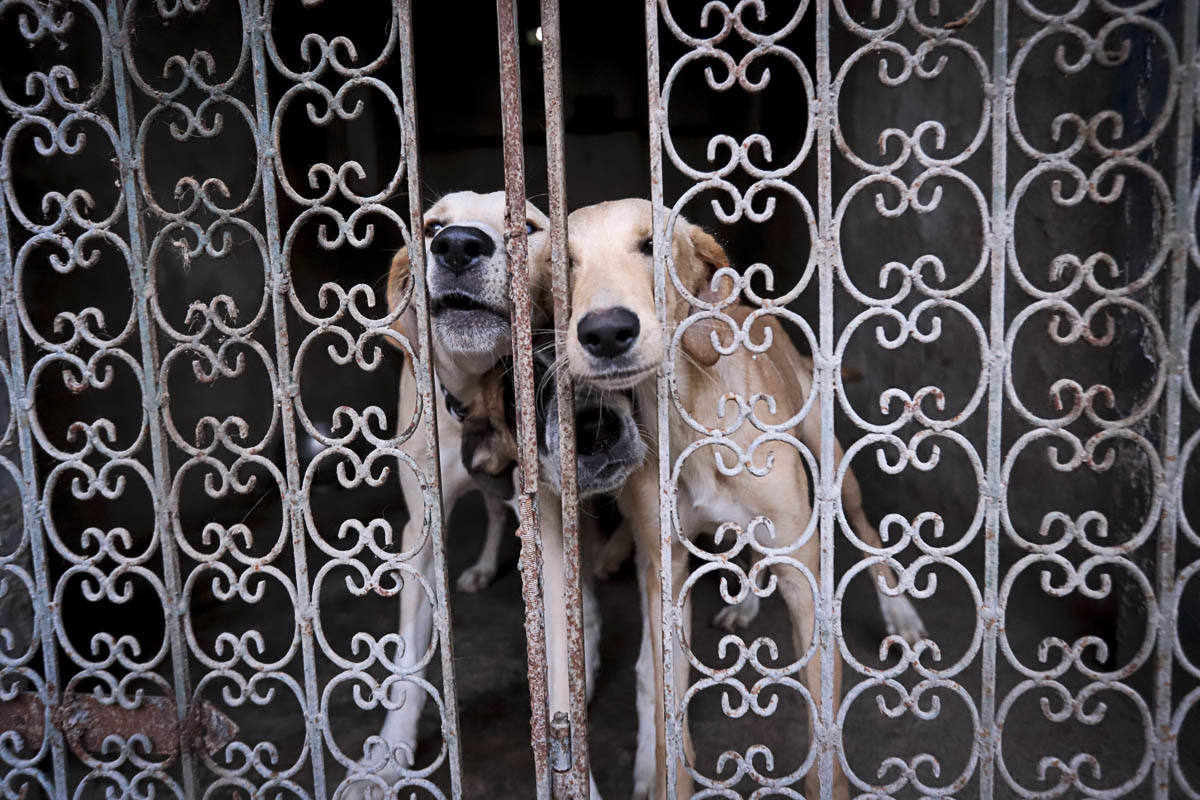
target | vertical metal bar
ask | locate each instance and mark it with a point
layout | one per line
(1177, 354)
(256, 23)
(31, 507)
(561, 287)
(152, 393)
(989, 734)
(661, 248)
(424, 378)
(517, 248)
(827, 494)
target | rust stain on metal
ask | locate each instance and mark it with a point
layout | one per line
(86, 721)
(516, 246)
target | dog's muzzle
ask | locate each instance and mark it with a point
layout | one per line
(468, 279)
(608, 447)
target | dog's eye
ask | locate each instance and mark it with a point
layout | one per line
(646, 248)
(431, 228)
(530, 228)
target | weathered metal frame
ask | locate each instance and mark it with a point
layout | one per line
(140, 226)
(567, 738)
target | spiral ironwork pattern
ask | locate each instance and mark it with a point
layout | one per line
(202, 252)
(998, 147)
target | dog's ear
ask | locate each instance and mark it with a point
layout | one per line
(399, 288)
(710, 255)
(699, 261)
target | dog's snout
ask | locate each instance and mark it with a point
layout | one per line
(460, 248)
(609, 332)
(596, 429)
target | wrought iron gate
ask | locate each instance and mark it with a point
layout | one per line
(94, 346)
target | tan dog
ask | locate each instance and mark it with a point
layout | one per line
(615, 341)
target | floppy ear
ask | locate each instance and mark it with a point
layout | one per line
(700, 262)
(399, 286)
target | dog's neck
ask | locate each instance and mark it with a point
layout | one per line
(460, 373)
(646, 406)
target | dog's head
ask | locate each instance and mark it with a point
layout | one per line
(608, 446)
(466, 273)
(614, 340)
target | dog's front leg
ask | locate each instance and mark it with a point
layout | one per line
(640, 503)
(615, 551)
(406, 699)
(393, 750)
(480, 575)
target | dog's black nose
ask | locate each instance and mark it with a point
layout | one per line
(609, 332)
(596, 430)
(460, 248)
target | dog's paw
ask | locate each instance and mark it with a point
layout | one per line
(608, 564)
(373, 785)
(476, 578)
(735, 617)
(612, 556)
(901, 618)
(643, 789)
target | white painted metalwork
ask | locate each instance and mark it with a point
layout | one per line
(113, 113)
(1088, 158)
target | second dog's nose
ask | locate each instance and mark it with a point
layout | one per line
(609, 332)
(458, 248)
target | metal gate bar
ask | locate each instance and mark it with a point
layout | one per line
(522, 331)
(988, 736)
(39, 585)
(152, 387)
(578, 783)
(573, 729)
(1166, 744)
(425, 377)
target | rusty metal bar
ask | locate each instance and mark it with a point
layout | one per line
(1165, 745)
(86, 722)
(577, 733)
(425, 381)
(573, 599)
(517, 248)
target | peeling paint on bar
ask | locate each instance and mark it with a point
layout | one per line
(517, 247)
